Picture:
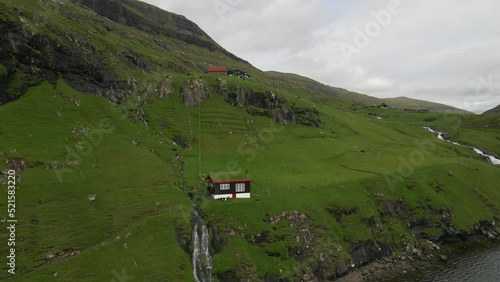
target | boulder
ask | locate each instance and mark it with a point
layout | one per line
(17, 164)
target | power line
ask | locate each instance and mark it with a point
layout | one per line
(199, 139)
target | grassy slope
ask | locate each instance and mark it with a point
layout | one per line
(294, 167)
(309, 170)
(135, 193)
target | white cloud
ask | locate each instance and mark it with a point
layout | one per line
(431, 50)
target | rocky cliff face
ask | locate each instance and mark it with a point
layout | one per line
(31, 58)
(97, 47)
(195, 92)
(268, 104)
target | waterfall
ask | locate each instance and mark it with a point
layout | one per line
(202, 261)
(491, 159)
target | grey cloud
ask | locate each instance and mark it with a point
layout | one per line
(431, 50)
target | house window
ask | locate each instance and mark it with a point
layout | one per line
(240, 187)
(224, 187)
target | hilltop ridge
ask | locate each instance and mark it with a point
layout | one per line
(102, 47)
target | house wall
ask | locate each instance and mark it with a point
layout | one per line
(238, 196)
(232, 189)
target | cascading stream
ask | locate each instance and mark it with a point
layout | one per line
(440, 136)
(202, 261)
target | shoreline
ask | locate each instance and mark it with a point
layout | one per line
(397, 269)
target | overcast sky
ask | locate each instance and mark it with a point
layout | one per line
(445, 51)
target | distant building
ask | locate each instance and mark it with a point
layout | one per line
(238, 73)
(418, 110)
(237, 186)
(221, 70)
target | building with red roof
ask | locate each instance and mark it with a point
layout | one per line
(234, 185)
(219, 70)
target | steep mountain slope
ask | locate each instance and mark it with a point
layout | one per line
(99, 47)
(107, 190)
(495, 110)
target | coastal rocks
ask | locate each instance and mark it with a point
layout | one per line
(324, 268)
(364, 252)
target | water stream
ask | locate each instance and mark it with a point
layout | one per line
(491, 159)
(202, 261)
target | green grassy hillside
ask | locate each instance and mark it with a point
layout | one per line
(119, 128)
(140, 219)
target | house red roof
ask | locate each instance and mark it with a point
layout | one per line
(230, 178)
(217, 69)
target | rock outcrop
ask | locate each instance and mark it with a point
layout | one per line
(268, 104)
(17, 164)
(31, 58)
(195, 92)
